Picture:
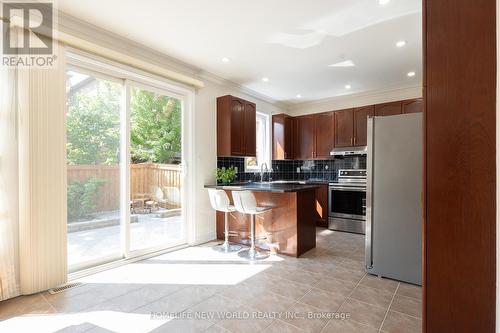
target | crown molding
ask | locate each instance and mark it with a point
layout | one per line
(355, 100)
(82, 29)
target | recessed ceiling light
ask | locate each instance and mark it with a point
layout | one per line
(383, 2)
(347, 86)
(225, 59)
(345, 63)
(400, 43)
(265, 79)
(298, 96)
(411, 74)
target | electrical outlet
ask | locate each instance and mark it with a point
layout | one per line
(298, 169)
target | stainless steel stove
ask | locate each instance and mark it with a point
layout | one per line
(347, 201)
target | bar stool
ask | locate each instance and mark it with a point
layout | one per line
(245, 203)
(220, 201)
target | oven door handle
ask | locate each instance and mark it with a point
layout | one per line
(348, 188)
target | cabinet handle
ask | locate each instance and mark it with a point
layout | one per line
(354, 140)
(351, 141)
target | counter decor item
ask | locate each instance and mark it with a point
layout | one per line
(225, 175)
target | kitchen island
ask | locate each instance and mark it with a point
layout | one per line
(289, 227)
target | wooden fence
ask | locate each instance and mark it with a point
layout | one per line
(144, 177)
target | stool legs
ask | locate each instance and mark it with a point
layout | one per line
(252, 252)
(226, 246)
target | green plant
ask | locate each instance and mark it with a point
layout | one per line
(226, 175)
(83, 197)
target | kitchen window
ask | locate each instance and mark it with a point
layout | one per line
(253, 164)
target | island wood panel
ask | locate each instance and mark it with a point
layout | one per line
(459, 155)
(290, 225)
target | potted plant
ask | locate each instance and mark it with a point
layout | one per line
(225, 175)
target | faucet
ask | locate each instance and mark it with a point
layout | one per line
(262, 171)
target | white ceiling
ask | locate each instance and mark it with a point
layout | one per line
(291, 42)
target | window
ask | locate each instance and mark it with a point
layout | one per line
(253, 164)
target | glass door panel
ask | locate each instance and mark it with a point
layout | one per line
(156, 219)
(93, 169)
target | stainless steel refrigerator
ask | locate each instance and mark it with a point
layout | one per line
(394, 197)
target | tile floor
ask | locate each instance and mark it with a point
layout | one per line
(199, 290)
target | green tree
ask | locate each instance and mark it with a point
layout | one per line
(93, 124)
(156, 127)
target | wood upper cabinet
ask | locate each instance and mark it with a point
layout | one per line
(250, 130)
(236, 120)
(388, 109)
(282, 136)
(413, 105)
(360, 124)
(305, 137)
(324, 131)
(344, 128)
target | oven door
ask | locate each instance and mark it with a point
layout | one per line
(347, 202)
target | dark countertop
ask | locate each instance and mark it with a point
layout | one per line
(277, 187)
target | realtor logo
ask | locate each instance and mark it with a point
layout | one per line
(27, 34)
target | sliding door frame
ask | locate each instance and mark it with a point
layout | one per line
(131, 77)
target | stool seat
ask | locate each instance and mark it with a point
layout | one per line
(220, 202)
(245, 203)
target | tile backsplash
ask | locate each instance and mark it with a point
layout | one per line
(296, 170)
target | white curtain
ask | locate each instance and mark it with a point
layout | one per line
(9, 219)
(42, 176)
(33, 254)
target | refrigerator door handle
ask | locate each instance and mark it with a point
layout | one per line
(369, 196)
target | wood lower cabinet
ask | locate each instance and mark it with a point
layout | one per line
(344, 128)
(236, 119)
(305, 137)
(321, 206)
(413, 105)
(388, 109)
(324, 134)
(282, 127)
(360, 124)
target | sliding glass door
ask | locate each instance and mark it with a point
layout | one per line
(125, 168)
(93, 168)
(155, 169)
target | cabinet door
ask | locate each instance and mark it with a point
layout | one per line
(321, 206)
(344, 128)
(413, 105)
(324, 134)
(305, 137)
(288, 137)
(295, 138)
(360, 123)
(249, 129)
(237, 125)
(388, 109)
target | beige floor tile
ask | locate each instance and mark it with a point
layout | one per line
(347, 326)
(269, 302)
(279, 326)
(407, 305)
(140, 297)
(336, 286)
(323, 300)
(240, 323)
(214, 308)
(342, 273)
(410, 290)
(303, 320)
(289, 288)
(68, 304)
(401, 323)
(32, 304)
(379, 283)
(363, 313)
(379, 297)
(215, 329)
(355, 265)
(184, 326)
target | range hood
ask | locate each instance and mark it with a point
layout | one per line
(348, 151)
